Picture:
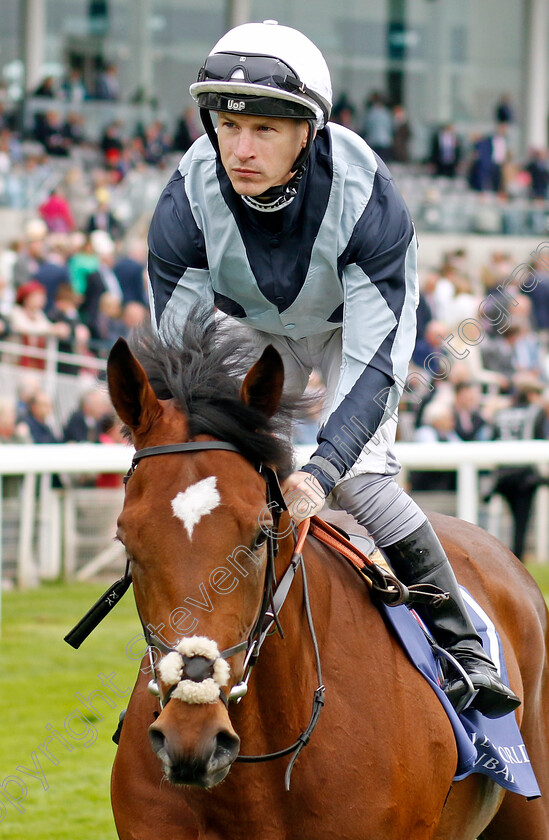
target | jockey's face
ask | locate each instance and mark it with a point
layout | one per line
(258, 152)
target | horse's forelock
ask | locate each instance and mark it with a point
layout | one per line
(201, 368)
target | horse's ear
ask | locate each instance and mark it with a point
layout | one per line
(131, 394)
(262, 386)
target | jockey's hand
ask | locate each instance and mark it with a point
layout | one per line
(303, 495)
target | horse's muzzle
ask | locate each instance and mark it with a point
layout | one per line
(203, 770)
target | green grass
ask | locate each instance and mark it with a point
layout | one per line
(541, 574)
(40, 674)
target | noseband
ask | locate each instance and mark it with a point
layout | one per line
(199, 669)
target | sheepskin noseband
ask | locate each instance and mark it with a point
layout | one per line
(196, 670)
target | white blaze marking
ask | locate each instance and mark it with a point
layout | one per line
(195, 502)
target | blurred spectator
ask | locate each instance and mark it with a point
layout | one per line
(523, 419)
(402, 135)
(182, 136)
(31, 253)
(156, 143)
(46, 88)
(50, 131)
(193, 123)
(5, 153)
(503, 111)
(130, 270)
(377, 127)
(469, 423)
(111, 432)
(110, 325)
(74, 129)
(424, 313)
(85, 423)
(540, 296)
(439, 292)
(8, 257)
(40, 409)
(103, 279)
(12, 430)
(445, 151)
(108, 84)
(73, 88)
(52, 271)
(429, 353)
(57, 213)
(538, 171)
(80, 197)
(438, 423)
(111, 143)
(65, 311)
(103, 218)
(525, 347)
(29, 320)
(134, 314)
(6, 119)
(81, 264)
(344, 112)
(438, 426)
(497, 357)
(28, 384)
(490, 155)
(6, 303)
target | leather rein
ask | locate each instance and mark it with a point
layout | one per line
(384, 585)
(274, 595)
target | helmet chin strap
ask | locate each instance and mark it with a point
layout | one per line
(275, 198)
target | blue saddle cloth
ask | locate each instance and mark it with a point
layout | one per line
(494, 747)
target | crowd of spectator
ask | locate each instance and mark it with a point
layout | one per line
(479, 371)
(83, 288)
(482, 360)
(78, 274)
(486, 161)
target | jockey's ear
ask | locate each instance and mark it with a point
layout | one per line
(131, 393)
(262, 386)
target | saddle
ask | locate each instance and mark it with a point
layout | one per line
(358, 549)
(348, 536)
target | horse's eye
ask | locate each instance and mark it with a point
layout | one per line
(259, 541)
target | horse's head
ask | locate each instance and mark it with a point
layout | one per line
(195, 526)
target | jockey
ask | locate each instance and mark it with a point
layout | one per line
(295, 228)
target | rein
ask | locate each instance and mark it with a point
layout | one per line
(274, 596)
(386, 586)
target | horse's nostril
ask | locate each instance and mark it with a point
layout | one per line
(157, 739)
(227, 745)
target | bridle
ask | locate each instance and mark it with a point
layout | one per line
(274, 596)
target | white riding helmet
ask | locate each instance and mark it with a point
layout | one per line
(268, 70)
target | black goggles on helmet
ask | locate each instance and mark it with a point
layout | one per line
(264, 70)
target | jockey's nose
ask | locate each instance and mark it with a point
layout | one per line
(244, 147)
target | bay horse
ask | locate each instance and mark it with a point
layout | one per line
(197, 525)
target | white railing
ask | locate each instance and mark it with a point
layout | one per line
(36, 464)
(50, 355)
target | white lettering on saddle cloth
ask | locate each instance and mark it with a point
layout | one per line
(195, 502)
(497, 759)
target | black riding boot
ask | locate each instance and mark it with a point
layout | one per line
(420, 558)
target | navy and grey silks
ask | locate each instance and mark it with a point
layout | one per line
(341, 255)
